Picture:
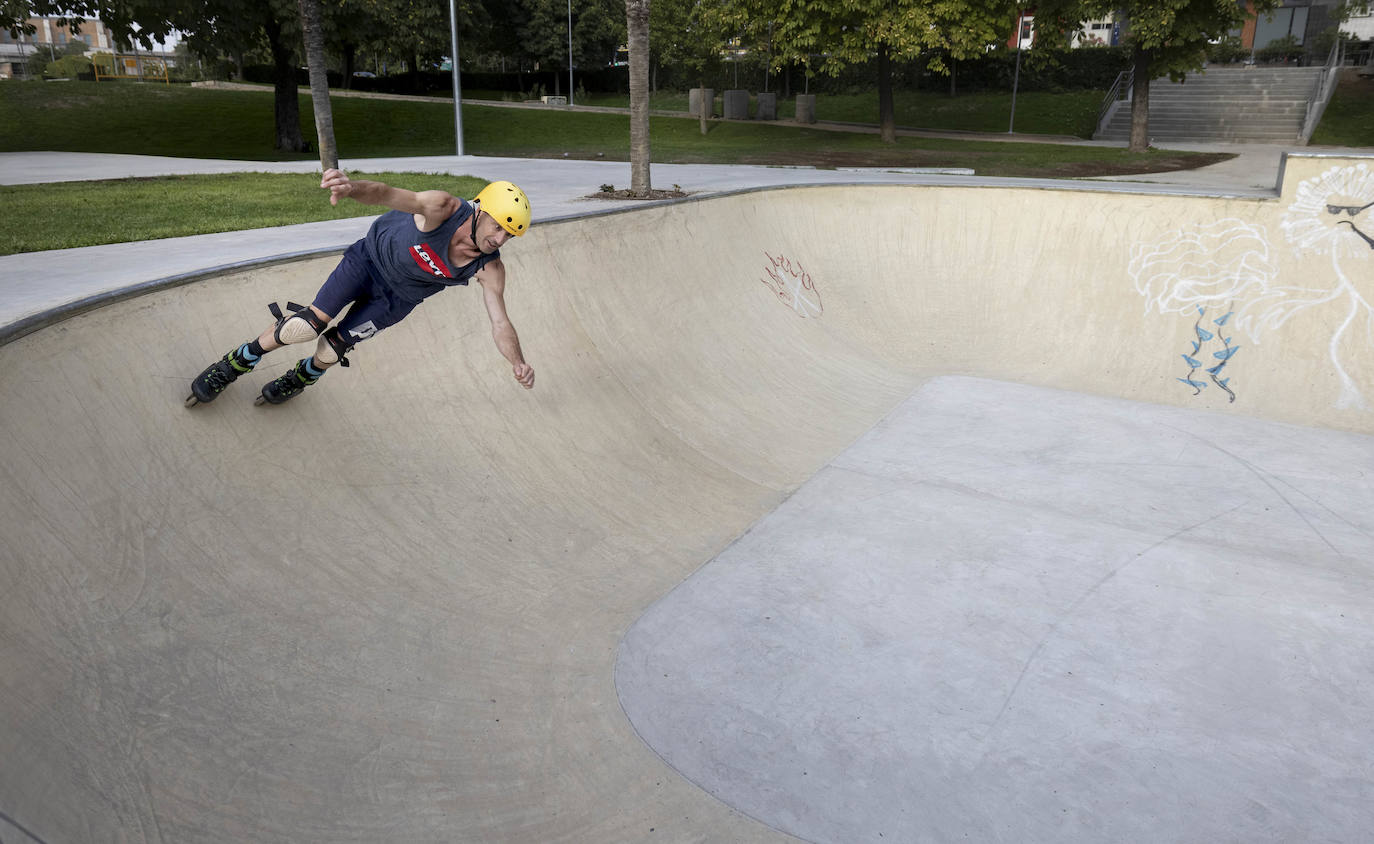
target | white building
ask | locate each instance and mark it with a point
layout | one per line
(1361, 23)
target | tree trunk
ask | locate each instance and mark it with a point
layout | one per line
(350, 64)
(286, 103)
(705, 106)
(313, 29)
(887, 115)
(637, 26)
(1140, 101)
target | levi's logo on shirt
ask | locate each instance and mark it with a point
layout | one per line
(429, 261)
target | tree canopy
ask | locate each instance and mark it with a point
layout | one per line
(826, 36)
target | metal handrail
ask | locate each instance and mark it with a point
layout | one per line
(1123, 81)
(1322, 88)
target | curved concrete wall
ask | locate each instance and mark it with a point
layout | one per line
(390, 609)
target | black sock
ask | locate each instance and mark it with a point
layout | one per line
(248, 355)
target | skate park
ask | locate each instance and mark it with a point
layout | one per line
(887, 511)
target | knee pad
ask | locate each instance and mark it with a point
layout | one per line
(332, 348)
(301, 325)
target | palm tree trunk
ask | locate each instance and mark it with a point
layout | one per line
(637, 25)
(312, 27)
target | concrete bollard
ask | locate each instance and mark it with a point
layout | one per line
(736, 104)
(806, 108)
(696, 96)
(767, 107)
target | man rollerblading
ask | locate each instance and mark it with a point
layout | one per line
(428, 242)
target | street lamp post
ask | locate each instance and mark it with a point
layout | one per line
(570, 63)
(1016, 78)
(457, 83)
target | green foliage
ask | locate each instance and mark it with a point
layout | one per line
(1320, 43)
(1279, 50)
(1174, 35)
(1227, 51)
(67, 67)
(694, 35)
(36, 64)
(829, 36)
(189, 67)
(598, 29)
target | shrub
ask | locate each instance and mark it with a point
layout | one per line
(1227, 51)
(67, 67)
(1280, 50)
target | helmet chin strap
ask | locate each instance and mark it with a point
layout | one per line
(477, 209)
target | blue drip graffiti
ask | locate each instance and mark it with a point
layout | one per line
(1223, 355)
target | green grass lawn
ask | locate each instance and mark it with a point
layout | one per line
(1037, 112)
(120, 210)
(1349, 117)
(182, 121)
(230, 124)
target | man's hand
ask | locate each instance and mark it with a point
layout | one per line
(524, 373)
(338, 185)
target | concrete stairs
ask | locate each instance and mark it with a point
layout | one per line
(1251, 104)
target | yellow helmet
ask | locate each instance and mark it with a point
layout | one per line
(507, 205)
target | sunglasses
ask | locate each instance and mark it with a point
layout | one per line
(1352, 210)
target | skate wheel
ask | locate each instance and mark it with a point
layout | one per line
(192, 401)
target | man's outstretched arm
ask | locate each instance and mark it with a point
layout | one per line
(493, 281)
(430, 207)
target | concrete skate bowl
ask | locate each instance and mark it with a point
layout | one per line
(419, 603)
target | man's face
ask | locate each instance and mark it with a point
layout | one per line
(490, 235)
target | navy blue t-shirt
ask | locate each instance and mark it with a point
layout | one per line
(414, 263)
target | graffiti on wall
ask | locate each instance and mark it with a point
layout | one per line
(792, 285)
(1205, 341)
(1229, 267)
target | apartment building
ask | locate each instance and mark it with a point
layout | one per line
(50, 36)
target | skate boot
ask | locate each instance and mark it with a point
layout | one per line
(290, 384)
(217, 376)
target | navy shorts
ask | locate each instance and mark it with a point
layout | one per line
(374, 305)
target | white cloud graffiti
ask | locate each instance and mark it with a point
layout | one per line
(1229, 264)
